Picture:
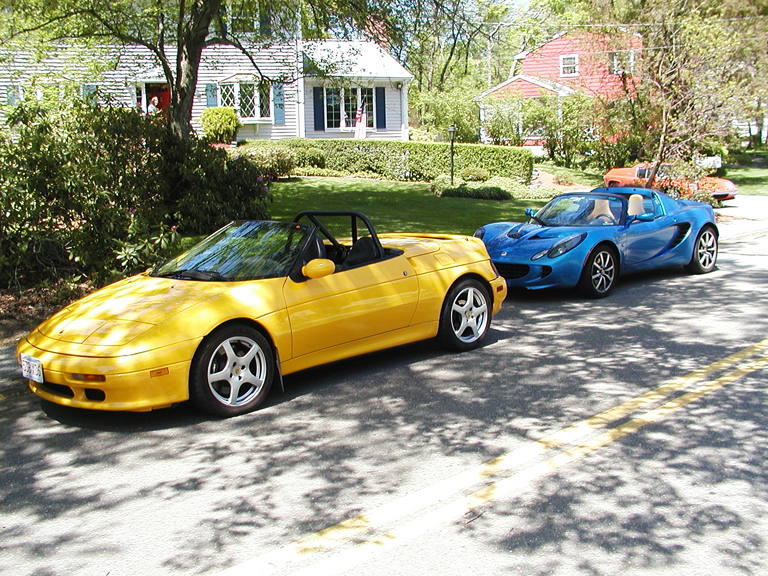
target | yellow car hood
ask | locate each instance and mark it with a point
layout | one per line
(118, 313)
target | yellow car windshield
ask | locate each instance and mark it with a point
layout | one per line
(248, 250)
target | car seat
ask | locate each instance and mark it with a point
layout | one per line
(636, 206)
(363, 251)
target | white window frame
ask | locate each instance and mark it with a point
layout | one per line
(574, 65)
(259, 90)
(615, 64)
(349, 124)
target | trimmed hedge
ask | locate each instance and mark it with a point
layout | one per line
(419, 161)
(309, 157)
(274, 161)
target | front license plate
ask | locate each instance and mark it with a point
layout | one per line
(32, 368)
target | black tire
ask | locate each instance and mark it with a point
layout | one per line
(466, 316)
(704, 255)
(600, 273)
(232, 371)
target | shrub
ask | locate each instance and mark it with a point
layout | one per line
(97, 192)
(422, 134)
(219, 187)
(220, 124)
(422, 161)
(73, 182)
(515, 188)
(309, 157)
(474, 174)
(275, 161)
(494, 189)
(312, 171)
(478, 191)
(442, 183)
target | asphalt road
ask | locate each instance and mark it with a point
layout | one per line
(620, 436)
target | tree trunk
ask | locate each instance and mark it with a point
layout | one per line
(660, 152)
(192, 38)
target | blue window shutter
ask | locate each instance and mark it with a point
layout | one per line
(210, 95)
(278, 101)
(319, 109)
(381, 109)
(89, 91)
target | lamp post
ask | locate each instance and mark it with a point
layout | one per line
(452, 136)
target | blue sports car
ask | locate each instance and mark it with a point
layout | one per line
(587, 239)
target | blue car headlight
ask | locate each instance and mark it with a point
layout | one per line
(561, 247)
(480, 232)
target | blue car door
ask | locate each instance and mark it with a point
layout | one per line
(646, 240)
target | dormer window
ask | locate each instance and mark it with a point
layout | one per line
(247, 18)
(569, 65)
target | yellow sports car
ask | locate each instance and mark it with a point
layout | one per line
(255, 301)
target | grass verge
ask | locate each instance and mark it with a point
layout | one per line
(750, 180)
(392, 206)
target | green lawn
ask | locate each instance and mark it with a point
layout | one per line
(410, 207)
(392, 206)
(566, 175)
(750, 180)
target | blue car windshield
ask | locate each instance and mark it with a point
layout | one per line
(578, 210)
(240, 251)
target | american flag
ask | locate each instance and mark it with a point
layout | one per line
(361, 120)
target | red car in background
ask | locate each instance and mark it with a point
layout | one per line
(637, 175)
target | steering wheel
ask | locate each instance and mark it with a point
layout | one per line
(607, 217)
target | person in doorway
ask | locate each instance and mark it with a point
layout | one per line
(154, 106)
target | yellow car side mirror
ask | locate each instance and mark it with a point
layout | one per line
(318, 268)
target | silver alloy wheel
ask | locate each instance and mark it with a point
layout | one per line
(603, 272)
(237, 371)
(469, 314)
(706, 249)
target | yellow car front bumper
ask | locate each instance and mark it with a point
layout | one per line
(140, 382)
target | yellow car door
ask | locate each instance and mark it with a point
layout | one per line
(351, 305)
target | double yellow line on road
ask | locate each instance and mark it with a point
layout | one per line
(364, 526)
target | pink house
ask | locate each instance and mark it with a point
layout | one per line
(575, 61)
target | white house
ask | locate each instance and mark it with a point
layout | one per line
(312, 89)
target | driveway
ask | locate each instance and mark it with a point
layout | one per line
(742, 217)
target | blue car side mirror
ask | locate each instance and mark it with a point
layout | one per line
(530, 212)
(646, 217)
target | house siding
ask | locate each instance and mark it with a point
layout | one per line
(593, 76)
(135, 67)
(222, 62)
